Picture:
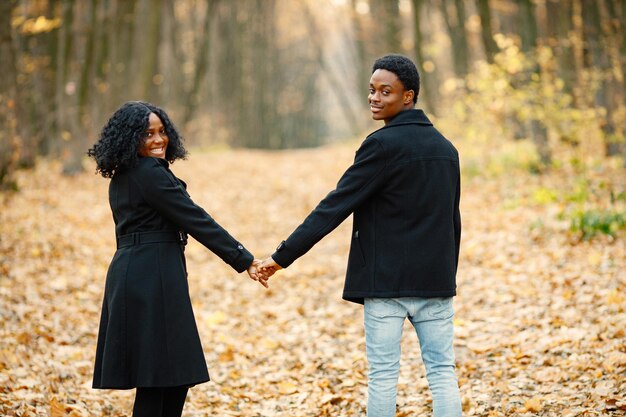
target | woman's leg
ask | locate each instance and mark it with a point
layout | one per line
(174, 401)
(148, 402)
(159, 402)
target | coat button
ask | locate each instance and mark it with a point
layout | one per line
(240, 247)
(281, 246)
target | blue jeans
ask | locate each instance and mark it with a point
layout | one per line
(432, 320)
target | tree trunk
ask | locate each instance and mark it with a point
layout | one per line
(486, 30)
(613, 35)
(360, 38)
(529, 42)
(79, 120)
(387, 16)
(86, 75)
(559, 26)
(49, 124)
(201, 64)
(9, 139)
(598, 58)
(66, 90)
(101, 102)
(454, 17)
(150, 58)
(176, 82)
(227, 99)
(122, 48)
(429, 90)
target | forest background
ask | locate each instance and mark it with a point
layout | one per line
(271, 98)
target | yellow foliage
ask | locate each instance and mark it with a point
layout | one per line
(35, 26)
(513, 92)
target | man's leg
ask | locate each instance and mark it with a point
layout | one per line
(432, 319)
(383, 331)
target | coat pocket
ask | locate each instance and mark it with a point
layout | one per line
(356, 250)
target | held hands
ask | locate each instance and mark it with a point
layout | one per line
(255, 274)
(261, 271)
(269, 266)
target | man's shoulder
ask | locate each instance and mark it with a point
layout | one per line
(413, 139)
(403, 121)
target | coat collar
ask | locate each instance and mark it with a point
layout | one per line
(407, 117)
(410, 116)
(160, 161)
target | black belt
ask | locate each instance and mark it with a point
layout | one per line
(139, 238)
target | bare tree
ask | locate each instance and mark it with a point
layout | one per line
(387, 13)
(486, 30)
(614, 36)
(429, 91)
(8, 97)
(360, 38)
(201, 63)
(453, 12)
(529, 42)
(559, 26)
(151, 38)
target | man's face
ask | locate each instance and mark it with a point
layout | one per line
(387, 95)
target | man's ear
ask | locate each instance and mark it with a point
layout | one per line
(408, 97)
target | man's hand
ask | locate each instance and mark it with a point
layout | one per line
(269, 266)
(257, 275)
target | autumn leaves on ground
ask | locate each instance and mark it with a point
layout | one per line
(540, 311)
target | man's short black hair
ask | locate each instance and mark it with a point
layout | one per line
(404, 68)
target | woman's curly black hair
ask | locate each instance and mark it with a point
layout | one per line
(404, 68)
(118, 145)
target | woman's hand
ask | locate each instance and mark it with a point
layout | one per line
(257, 275)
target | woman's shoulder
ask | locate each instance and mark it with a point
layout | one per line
(147, 168)
(147, 165)
(151, 162)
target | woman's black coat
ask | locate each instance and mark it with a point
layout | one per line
(404, 189)
(148, 335)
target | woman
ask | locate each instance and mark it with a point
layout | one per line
(148, 337)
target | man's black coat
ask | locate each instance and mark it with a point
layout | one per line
(404, 190)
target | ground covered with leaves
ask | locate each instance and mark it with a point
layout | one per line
(540, 311)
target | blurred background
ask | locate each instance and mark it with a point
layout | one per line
(277, 74)
(531, 92)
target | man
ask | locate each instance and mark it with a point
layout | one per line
(404, 190)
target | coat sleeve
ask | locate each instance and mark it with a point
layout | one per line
(357, 184)
(169, 198)
(457, 220)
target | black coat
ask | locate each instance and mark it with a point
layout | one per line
(148, 335)
(404, 190)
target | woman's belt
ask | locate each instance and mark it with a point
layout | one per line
(139, 238)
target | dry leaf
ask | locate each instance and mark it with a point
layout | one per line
(287, 387)
(539, 317)
(534, 404)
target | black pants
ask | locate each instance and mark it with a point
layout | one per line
(159, 402)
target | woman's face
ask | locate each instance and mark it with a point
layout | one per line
(155, 139)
